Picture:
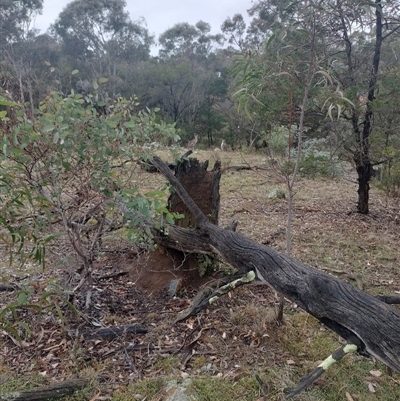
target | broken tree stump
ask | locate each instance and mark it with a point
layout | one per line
(202, 186)
(170, 267)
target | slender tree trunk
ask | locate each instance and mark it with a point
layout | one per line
(362, 156)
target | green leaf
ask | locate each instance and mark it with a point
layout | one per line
(103, 80)
(48, 128)
(130, 124)
(74, 72)
(13, 332)
(169, 218)
(56, 137)
(25, 327)
(4, 102)
(22, 298)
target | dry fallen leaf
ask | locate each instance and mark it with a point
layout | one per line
(291, 362)
(371, 388)
(95, 397)
(349, 397)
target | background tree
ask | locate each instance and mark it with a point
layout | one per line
(190, 40)
(354, 54)
(186, 80)
(348, 21)
(16, 18)
(98, 36)
(18, 44)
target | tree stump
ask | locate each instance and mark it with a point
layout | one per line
(203, 187)
(176, 269)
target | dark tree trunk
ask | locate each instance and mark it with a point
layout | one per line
(364, 172)
(356, 316)
(362, 156)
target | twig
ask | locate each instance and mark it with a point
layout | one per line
(306, 381)
(206, 297)
(263, 386)
(114, 275)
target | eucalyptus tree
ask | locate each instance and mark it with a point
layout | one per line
(190, 40)
(235, 30)
(186, 79)
(242, 36)
(278, 86)
(17, 37)
(355, 25)
(99, 35)
(75, 169)
(16, 17)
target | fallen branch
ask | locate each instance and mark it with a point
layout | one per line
(357, 317)
(306, 381)
(210, 292)
(53, 391)
(110, 333)
(5, 287)
(389, 299)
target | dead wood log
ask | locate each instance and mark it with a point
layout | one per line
(110, 333)
(359, 318)
(6, 287)
(53, 391)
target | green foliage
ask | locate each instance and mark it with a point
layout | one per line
(317, 164)
(186, 39)
(278, 142)
(277, 193)
(388, 179)
(69, 170)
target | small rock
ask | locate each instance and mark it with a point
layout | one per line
(174, 286)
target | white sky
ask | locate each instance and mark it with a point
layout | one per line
(162, 14)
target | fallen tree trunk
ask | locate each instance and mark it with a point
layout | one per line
(359, 318)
